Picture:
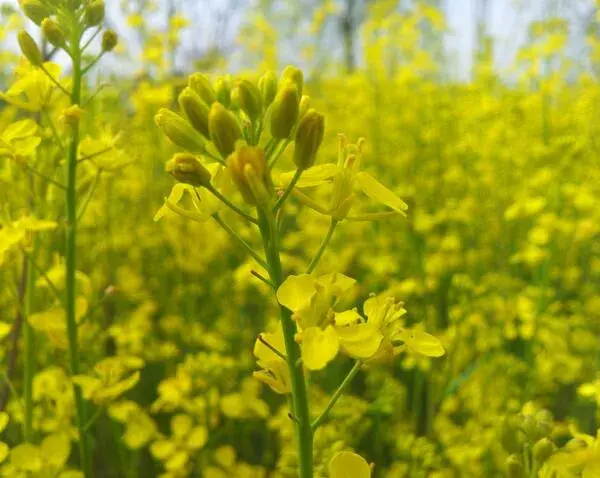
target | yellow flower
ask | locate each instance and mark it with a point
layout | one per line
(32, 91)
(19, 139)
(275, 372)
(346, 464)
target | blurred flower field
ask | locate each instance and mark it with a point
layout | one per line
(260, 270)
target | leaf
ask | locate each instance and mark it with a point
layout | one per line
(378, 192)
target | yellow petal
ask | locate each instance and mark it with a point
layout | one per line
(349, 465)
(314, 176)
(422, 343)
(55, 450)
(181, 425)
(378, 192)
(3, 421)
(296, 291)
(319, 347)
(360, 341)
(162, 449)
(197, 438)
(26, 457)
(4, 451)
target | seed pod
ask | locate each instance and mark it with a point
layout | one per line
(284, 112)
(293, 75)
(94, 13)
(250, 99)
(195, 110)
(514, 467)
(53, 33)
(248, 170)
(202, 87)
(29, 48)
(309, 137)
(224, 129)
(268, 87)
(223, 91)
(542, 450)
(179, 131)
(188, 169)
(34, 10)
(109, 40)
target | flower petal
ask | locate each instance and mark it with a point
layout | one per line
(296, 291)
(378, 192)
(349, 465)
(319, 347)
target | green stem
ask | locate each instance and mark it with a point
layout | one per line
(241, 241)
(299, 401)
(281, 201)
(71, 261)
(322, 247)
(29, 348)
(89, 195)
(336, 395)
(215, 192)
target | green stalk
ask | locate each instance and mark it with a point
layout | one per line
(28, 348)
(71, 260)
(300, 409)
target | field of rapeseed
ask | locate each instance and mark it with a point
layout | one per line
(259, 270)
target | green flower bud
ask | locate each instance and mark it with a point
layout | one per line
(94, 13)
(268, 87)
(188, 169)
(223, 91)
(514, 467)
(53, 33)
(29, 48)
(249, 173)
(250, 99)
(293, 75)
(309, 137)
(196, 110)
(34, 10)
(542, 450)
(284, 112)
(510, 436)
(202, 87)
(109, 40)
(224, 129)
(304, 105)
(179, 131)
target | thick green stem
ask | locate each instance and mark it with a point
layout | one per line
(300, 408)
(71, 262)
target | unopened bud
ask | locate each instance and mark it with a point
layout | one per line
(268, 87)
(29, 48)
(514, 467)
(34, 10)
(250, 99)
(109, 40)
(53, 33)
(223, 91)
(202, 87)
(542, 450)
(195, 110)
(309, 137)
(284, 112)
(304, 105)
(72, 115)
(224, 129)
(94, 13)
(179, 131)
(292, 75)
(188, 169)
(510, 436)
(249, 173)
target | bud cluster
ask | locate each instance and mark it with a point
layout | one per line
(225, 121)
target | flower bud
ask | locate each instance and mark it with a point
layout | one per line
(268, 87)
(309, 137)
(109, 40)
(34, 10)
(179, 131)
(29, 48)
(223, 91)
(72, 115)
(196, 111)
(202, 87)
(249, 173)
(53, 33)
(304, 105)
(250, 99)
(284, 112)
(510, 436)
(293, 75)
(514, 467)
(94, 13)
(224, 129)
(188, 169)
(542, 450)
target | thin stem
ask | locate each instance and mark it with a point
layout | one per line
(216, 158)
(215, 192)
(89, 195)
(94, 61)
(279, 152)
(94, 155)
(55, 81)
(336, 396)
(42, 273)
(29, 350)
(91, 39)
(307, 201)
(281, 201)
(269, 346)
(240, 241)
(262, 279)
(54, 131)
(93, 418)
(299, 399)
(322, 247)
(71, 258)
(44, 177)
